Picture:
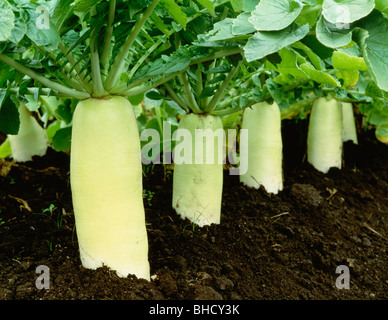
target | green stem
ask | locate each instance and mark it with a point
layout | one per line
(76, 67)
(141, 60)
(71, 76)
(117, 66)
(199, 85)
(189, 94)
(219, 54)
(176, 98)
(46, 82)
(108, 36)
(98, 87)
(221, 90)
(135, 88)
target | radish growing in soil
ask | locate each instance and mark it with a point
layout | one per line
(265, 152)
(324, 141)
(104, 53)
(99, 53)
(31, 139)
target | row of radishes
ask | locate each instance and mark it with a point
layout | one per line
(212, 58)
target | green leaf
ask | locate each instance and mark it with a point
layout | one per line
(314, 58)
(238, 5)
(291, 71)
(382, 5)
(382, 133)
(159, 23)
(61, 140)
(7, 20)
(241, 25)
(346, 11)
(136, 100)
(275, 15)
(40, 28)
(221, 31)
(332, 37)
(289, 66)
(309, 14)
(263, 43)
(207, 4)
(175, 12)
(5, 149)
(372, 90)
(319, 76)
(374, 45)
(18, 31)
(9, 118)
(343, 61)
(62, 11)
(84, 6)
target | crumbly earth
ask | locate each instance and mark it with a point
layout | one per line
(267, 247)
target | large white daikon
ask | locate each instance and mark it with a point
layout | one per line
(265, 147)
(106, 183)
(324, 140)
(31, 139)
(198, 176)
(349, 131)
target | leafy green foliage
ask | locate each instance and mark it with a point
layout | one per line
(275, 15)
(7, 20)
(202, 55)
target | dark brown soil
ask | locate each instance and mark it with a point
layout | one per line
(267, 247)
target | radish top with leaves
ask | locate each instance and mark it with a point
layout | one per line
(88, 48)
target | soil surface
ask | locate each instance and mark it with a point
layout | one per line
(267, 247)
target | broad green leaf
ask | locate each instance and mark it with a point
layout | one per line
(61, 140)
(238, 5)
(40, 29)
(329, 35)
(314, 58)
(222, 30)
(175, 12)
(372, 90)
(85, 6)
(249, 5)
(52, 129)
(206, 4)
(309, 14)
(382, 133)
(275, 15)
(5, 149)
(290, 67)
(349, 78)
(18, 31)
(374, 45)
(346, 11)
(61, 13)
(343, 61)
(241, 25)
(7, 20)
(382, 5)
(9, 118)
(159, 23)
(319, 76)
(263, 43)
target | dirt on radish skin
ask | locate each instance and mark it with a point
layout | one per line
(284, 246)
